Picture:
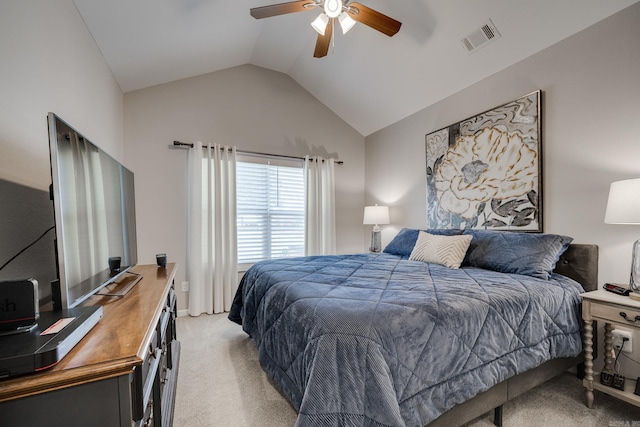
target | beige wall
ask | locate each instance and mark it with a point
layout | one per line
(49, 62)
(590, 136)
(250, 107)
(591, 108)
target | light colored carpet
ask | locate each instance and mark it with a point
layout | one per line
(220, 383)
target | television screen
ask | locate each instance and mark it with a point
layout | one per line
(94, 208)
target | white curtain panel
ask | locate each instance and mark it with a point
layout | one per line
(85, 177)
(211, 236)
(320, 206)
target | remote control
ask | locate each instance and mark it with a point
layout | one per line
(616, 289)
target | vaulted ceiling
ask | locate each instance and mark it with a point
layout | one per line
(368, 79)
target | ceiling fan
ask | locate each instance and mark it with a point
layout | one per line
(347, 13)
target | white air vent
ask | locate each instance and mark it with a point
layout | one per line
(481, 37)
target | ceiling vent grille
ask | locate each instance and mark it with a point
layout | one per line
(480, 37)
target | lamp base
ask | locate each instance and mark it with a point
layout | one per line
(634, 296)
(376, 242)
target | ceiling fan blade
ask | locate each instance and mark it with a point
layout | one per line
(282, 8)
(323, 42)
(374, 19)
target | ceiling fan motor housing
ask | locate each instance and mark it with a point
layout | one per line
(333, 8)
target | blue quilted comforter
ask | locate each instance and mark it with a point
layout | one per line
(377, 340)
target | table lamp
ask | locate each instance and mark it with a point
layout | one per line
(376, 215)
(623, 207)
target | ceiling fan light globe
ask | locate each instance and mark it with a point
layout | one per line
(320, 23)
(346, 22)
(333, 8)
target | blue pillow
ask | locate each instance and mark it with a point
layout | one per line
(405, 240)
(531, 254)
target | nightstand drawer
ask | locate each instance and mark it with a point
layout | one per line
(616, 313)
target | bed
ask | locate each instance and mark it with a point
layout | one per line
(388, 340)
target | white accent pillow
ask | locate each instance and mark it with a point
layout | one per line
(445, 250)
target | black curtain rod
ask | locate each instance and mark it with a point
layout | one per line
(186, 144)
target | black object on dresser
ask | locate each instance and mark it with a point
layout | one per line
(54, 335)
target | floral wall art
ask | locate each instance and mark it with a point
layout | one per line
(485, 172)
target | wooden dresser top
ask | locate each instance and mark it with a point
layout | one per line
(114, 347)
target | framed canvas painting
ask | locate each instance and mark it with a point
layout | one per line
(485, 172)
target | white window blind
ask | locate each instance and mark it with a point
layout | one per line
(270, 208)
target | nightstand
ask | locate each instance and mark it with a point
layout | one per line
(612, 309)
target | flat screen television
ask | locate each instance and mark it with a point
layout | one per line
(94, 210)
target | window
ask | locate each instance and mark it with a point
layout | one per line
(270, 208)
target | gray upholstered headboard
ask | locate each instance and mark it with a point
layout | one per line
(580, 263)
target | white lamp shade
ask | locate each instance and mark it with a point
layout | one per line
(320, 23)
(346, 22)
(623, 206)
(376, 215)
